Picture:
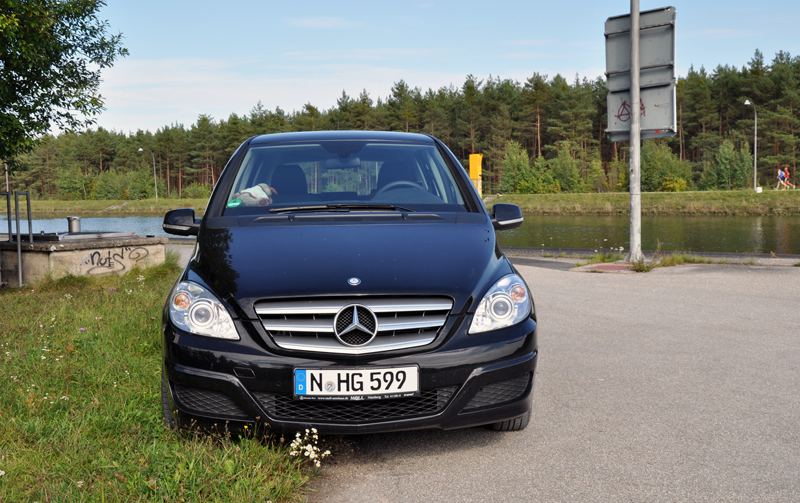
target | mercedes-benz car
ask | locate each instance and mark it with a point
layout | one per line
(349, 281)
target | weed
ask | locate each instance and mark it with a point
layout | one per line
(307, 446)
(642, 266)
(682, 258)
(604, 257)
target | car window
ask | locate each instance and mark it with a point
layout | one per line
(405, 174)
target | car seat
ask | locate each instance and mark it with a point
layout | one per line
(289, 180)
(393, 171)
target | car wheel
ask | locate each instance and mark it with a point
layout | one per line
(516, 424)
(169, 420)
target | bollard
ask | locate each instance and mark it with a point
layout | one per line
(74, 225)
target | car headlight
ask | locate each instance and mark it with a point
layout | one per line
(196, 310)
(506, 303)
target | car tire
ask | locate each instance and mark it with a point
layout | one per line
(516, 424)
(169, 420)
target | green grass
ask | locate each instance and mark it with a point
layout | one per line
(738, 202)
(80, 412)
(604, 257)
(682, 258)
(49, 209)
(670, 260)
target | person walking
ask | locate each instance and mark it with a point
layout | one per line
(786, 177)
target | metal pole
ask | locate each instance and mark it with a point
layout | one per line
(19, 241)
(30, 220)
(155, 180)
(755, 149)
(8, 206)
(635, 142)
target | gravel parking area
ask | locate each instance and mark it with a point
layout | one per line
(676, 385)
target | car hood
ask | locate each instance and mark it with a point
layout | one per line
(243, 265)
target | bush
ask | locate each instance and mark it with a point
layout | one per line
(730, 169)
(520, 177)
(197, 191)
(566, 168)
(516, 167)
(662, 168)
(129, 185)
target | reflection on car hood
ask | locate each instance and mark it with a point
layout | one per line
(247, 264)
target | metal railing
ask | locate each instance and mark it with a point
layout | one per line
(11, 239)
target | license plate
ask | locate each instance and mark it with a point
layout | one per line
(356, 384)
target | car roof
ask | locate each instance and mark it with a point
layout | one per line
(340, 135)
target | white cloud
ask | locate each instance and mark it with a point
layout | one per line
(149, 94)
(721, 33)
(322, 22)
(530, 42)
(545, 55)
(381, 54)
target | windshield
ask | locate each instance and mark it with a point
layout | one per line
(342, 173)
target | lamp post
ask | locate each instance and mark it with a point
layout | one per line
(155, 180)
(755, 145)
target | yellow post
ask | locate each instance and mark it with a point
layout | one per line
(475, 172)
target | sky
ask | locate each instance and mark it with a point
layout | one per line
(217, 58)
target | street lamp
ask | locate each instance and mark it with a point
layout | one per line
(155, 180)
(755, 145)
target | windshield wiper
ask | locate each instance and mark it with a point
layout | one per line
(344, 207)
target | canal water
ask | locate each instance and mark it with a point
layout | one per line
(143, 226)
(739, 234)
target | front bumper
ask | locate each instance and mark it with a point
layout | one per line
(464, 381)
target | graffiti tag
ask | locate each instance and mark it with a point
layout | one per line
(105, 261)
(624, 111)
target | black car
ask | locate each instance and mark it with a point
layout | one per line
(349, 281)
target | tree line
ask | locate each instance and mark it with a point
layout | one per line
(541, 135)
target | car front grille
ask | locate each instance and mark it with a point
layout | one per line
(284, 407)
(312, 324)
(499, 392)
(208, 402)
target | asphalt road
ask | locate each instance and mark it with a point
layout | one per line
(682, 384)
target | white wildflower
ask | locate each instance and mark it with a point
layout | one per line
(307, 445)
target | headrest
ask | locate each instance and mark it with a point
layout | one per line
(393, 171)
(289, 179)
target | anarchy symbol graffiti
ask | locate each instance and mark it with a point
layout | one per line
(624, 111)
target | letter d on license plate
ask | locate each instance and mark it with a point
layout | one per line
(356, 384)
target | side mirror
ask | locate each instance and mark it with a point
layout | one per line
(506, 216)
(181, 222)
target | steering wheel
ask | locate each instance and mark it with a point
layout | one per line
(396, 184)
